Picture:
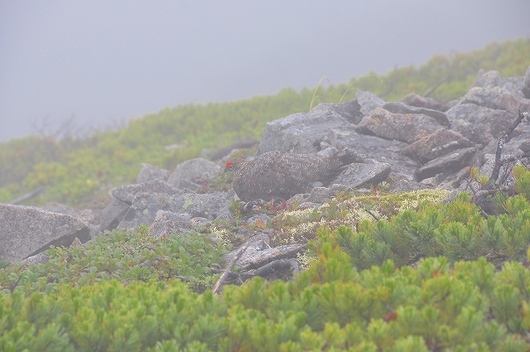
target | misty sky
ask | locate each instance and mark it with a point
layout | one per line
(105, 62)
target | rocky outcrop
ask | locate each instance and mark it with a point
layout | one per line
(406, 127)
(191, 173)
(413, 144)
(26, 231)
(434, 145)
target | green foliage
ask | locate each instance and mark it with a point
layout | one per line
(522, 177)
(427, 277)
(456, 230)
(122, 256)
(76, 171)
(430, 307)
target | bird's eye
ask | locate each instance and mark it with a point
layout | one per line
(229, 164)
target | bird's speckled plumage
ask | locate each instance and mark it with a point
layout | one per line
(281, 175)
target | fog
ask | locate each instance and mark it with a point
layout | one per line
(102, 63)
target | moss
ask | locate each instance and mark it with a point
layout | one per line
(347, 209)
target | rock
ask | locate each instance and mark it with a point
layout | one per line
(124, 196)
(127, 193)
(441, 142)
(167, 222)
(308, 132)
(302, 133)
(367, 103)
(496, 98)
(402, 108)
(198, 222)
(193, 171)
(413, 99)
(39, 258)
(525, 146)
(526, 88)
(151, 173)
(452, 162)
(411, 144)
(87, 216)
(395, 126)
(516, 145)
(487, 79)
(487, 168)
(350, 111)
(479, 124)
(258, 221)
(320, 195)
(112, 215)
(145, 206)
(358, 175)
(26, 231)
(490, 79)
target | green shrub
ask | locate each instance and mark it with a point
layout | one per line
(456, 230)
(430, 307)
(127, 257)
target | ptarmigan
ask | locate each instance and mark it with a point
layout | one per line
(281, 175)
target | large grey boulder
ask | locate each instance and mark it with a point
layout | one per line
(358, 175)
(441, 142)
(402, 108)
(413, 99)
(26, 231)
(123, 197)
(364, 103)
(449, 163)
(112, 215)
(168, 222)
(145, 206)
(490, 79)
(405, 127)
(126, 193)
(191, 173)
(150, 173)
(479, 124)
(327, 125)
(496, 98)
(489, 107)
(303, 132)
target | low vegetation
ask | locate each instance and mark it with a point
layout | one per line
(80, 170)
(392, 272)
(431, 277)
(435, 306)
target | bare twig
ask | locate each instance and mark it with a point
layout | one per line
(505, 137)
(483, 198)
(29, 195)
(231, 264)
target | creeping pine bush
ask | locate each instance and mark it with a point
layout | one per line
(468, 289)
(123, 256)
(456, 230)
(331, 306)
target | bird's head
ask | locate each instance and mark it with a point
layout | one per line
(230, 166)
(233, 165)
